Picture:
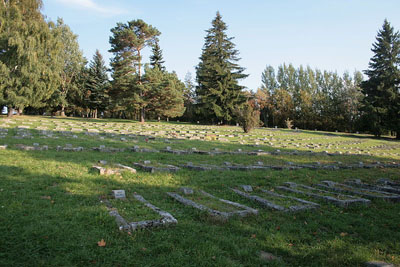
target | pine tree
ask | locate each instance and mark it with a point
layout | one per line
(218, 91)
(97, 84)
(156, 59)
(381, 90)
(127, 43)
(27, 49)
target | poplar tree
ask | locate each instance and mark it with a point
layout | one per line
(382, 89)
(27, 49)
(72, 63)
(218, 74)
(127, 42)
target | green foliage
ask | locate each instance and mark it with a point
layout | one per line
(311, 98)
(189, 96)
(97, 84)
(72, 62)
(164, 93)
(156, 59)
(28, 53)
(382, 94)
(127, 43)
(218, 91)
(248, 117)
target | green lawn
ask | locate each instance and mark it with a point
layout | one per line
(51, 212)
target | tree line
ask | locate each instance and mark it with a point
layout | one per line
(44, 71)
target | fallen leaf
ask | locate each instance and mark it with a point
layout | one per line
(144, 249)
(45, 197)
(101, 243)
(278, 228)
(305, 223)
(290, 245)
(213, 257)
(343, 234)
(253, 236)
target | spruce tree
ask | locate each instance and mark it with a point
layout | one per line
(219, 93)
(97, 84)
(381, 90)
(156, 59)
(27, 49)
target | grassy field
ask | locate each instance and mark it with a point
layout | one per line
(51, 214)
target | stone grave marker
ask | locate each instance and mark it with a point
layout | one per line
(119, 194)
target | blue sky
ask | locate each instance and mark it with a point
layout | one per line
(332, 35)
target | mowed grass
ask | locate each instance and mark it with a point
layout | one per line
(51, 214)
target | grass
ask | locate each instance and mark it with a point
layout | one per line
(50, 213)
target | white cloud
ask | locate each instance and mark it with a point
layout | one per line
(91, 5)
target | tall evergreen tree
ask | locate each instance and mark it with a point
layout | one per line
(97, 84)
(381, 90)
(127, 43)
(156, 59)
(27, 49)
(219, 93)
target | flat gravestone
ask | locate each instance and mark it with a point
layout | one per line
(119, 194)
(247, 188)
(186, 190)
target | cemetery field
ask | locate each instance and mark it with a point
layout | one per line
(53, 211)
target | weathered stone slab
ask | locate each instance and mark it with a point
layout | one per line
(119, 194)
(385, 188)
(158, 168)
(305, 205)
(244, 210)
(2, 147)
(247, 188)
(332, 197)
(165, 220)
(378, 264)
(186, 190)
(126, 168)
(368, 193)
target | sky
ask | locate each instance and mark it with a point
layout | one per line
(334, 35)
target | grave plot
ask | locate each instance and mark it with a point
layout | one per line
(274, 200)
(218, 207)
(335, 198)
(383, 187)
(368, 193)
(388, 182)
(148, 166)
(110, 169)
(133, 214)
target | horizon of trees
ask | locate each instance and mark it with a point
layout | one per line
(45, 71)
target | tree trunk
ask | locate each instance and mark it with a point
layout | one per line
(95, 113)
(167, 119)
(10, 112)
(19, 111)
(62, 111)
(142, 115)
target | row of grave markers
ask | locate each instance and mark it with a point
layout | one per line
(352, 192)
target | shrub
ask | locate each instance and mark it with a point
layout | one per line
(248, 118)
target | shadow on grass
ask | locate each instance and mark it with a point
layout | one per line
(36, 230)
